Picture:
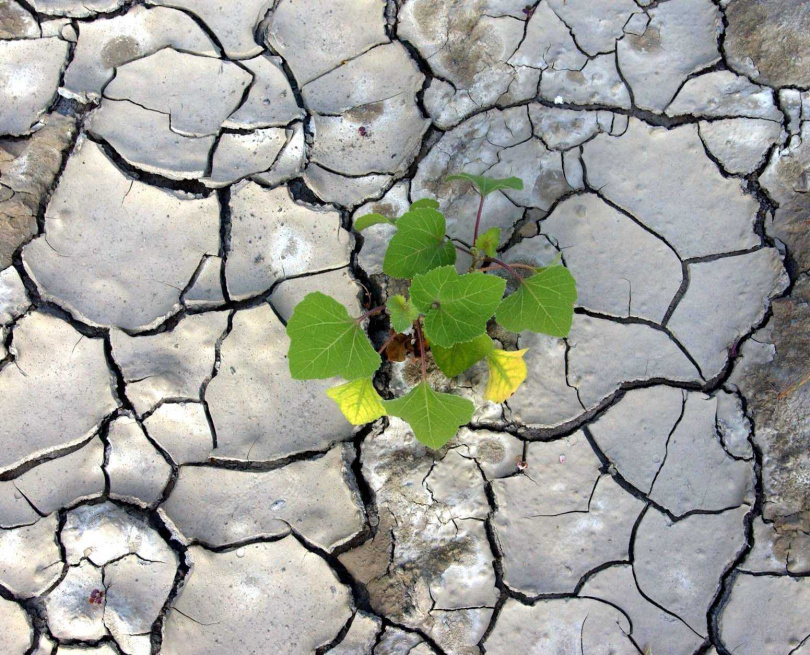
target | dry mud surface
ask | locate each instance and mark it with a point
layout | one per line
(176, 174)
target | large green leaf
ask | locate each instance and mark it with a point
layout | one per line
(367, 220)
(402, 312)
(456, 307)
(455, 360)
(325, 341)
(358, 400)
(487, 185)
(543, 303)
(434, 417)
(419, 244)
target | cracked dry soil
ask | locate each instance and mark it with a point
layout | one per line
(175, 175)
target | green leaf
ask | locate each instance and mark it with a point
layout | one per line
(325, 341)
(419, 244)
(457, 359)
(487, 185)
(358, 400)
(489, 241)
(434, 417)
(367, 220)
(456, 307)
(402, 312)
(425, 203)
(543, 303)
(507, 371)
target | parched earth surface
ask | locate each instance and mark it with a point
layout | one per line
(176, 174)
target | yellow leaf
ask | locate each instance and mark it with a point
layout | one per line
(358, 400)
(507, 370)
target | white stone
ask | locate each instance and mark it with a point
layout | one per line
(274, 237)
(218, 507)
(13, 298)
(206, 290)
(258, 410)
(722, 94)
(239, 155)
(646, 170)
(764, 615)
(344, 191)
(544, 400)
(620, 268)
(169, 365)
(598, 83)
(30, 559)
(182, 430)
(29, 77)
(697, 551)
(567, 625)
(66, 480)
(70, 613)
(633, 434)
(18, 634)
(144, 138)
(596, 24)
(724, 300)
(290, 592)
(235, 30)
(652, 627)
(561, 129)
(603, 355)
(680, 39)
(740, 144)
(107, 43)
(376, 238)
(270, 101)
(138, 472)
(94, 267)
(56, 392)
(172, 82)
(314, 42)
(76, 8)
(340, 285)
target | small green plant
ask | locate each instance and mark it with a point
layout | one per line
(446, 313)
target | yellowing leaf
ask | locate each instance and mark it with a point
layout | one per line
(507, 370)
(358, 400)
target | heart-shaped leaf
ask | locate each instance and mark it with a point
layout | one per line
(419, 244)
(456, 359)
(456, 307)
(325, 341)
(358, 400)
(507, 371)
(543, 303)
(434, 417)
(487, 185)
(402, 312)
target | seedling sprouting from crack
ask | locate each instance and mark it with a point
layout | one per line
(446, 314)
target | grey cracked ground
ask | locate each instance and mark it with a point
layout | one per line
(176, 175)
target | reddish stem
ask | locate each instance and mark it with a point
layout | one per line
(387, 342)
(422, 348)
(497, 264)
(478, 218)
(370, 313)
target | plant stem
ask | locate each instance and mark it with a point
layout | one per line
(497, 264)
(422, 348)
(370, 313)
(478, 218)
(387, 342)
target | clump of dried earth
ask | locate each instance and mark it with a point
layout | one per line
(176, 175)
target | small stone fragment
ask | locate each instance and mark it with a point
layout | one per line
(722, 94)
(778, 548)
(738, 289)
(206, 291)
(108, 43)
(182, 430)
(76, 8)
(15, 510)
(698, 549)
(138, 472)
(18, 634)
(568, 625)
(270, 101)
(361, 637)
(259, 411)
(496, 453)
(13, 297)
(680, 39)
(733, 426)
(598, 83)
(740, 144)
(343, 190)
(239, 155)
(340, 285)
(16, 22)
(217, 507)
(281, 586)
(94, 267)
(290, 161)
(561, 129)
(274, 237)
(548, 44)
(169, 365)
(70, 612)
(30, 559)
(29, 77)
(596, 24)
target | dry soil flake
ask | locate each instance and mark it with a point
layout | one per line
(275, 597)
